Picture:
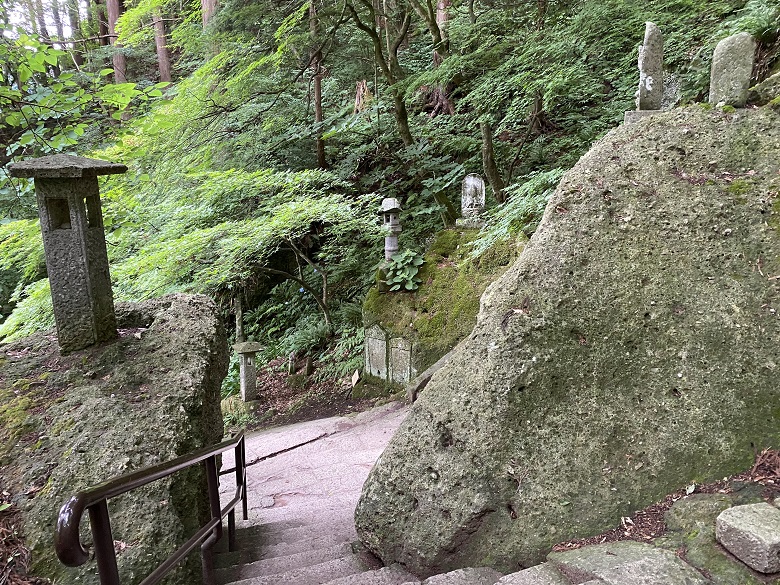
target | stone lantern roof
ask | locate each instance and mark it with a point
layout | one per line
(64, 166)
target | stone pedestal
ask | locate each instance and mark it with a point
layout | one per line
(74, 242)
(247, 372)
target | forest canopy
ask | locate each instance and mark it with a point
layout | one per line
(261, 136)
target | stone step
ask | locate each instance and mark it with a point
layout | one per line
(282, 564)
(250, 551)
(394, 575)
(467, 576)
(544, 574)
(313, 575)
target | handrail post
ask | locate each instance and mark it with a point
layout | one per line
(103, 543)
(241, 475)
(207, 556)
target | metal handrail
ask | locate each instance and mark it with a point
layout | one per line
(72, 553)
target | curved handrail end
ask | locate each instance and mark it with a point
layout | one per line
(67, 542)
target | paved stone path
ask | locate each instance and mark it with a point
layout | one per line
(320, 480)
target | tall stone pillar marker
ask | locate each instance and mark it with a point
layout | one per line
(247, 372)
(732, 68)
(74, 243)
(391, 212)
(650, 93)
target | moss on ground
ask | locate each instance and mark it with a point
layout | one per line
(443, 310)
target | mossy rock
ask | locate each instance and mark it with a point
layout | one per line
(627, 353)
(443, 310)
(691, 528)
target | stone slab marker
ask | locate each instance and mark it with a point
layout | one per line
(74, 242)
(376, 352)
(651, 65)
(752, 534)
(732, 68)
(247, 372)
(650, 93)
(400, 358)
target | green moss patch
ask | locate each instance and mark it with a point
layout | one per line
(443, 310)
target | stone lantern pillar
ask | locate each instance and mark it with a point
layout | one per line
(391, 211)
(248, 374)
(74, 242)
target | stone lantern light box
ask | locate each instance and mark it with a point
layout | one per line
(74, 242)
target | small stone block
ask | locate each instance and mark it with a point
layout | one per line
(248, 347)
(752, 534)
(544, 574)
(64, 166)
(632, 116)
(355, 378)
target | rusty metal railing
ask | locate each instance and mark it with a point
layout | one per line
(94, 500)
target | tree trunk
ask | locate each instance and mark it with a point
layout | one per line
(402, 118)
(489, 163)
(163, 58)
(114, 9)
(317, 69)
(31, 14)
(75, 32)
(40, 17)
(208, 7)
(57, 18)
(101, 21)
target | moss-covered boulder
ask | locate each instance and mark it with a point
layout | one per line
(443, 310)
(70, 422)
(632, 349)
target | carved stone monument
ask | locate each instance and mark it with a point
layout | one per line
(247, 373)
(732, 68)
(650, 93)
(388, 358)
(74, 242)
(472, 201)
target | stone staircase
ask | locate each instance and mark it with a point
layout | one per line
(301, 554)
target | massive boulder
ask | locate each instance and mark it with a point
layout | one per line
(633, 348)
(147, 397)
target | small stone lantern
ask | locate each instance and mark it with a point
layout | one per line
(74, 243)
(248, 374)
(391, 211)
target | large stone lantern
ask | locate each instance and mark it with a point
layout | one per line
(74, 242)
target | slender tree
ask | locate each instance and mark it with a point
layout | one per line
(114, 9)
(317, 73)
(160, 41)
(74, 19)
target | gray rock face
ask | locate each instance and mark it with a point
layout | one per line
(752, 534)
(650, 94)
(625, 563)
(147, 397)
(732, 67)
(623, 356)
(766, 91)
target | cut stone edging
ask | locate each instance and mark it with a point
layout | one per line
(752, 534)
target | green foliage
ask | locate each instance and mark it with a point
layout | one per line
(521, 213)
(345, 356)
(33, 312)
(401, 271)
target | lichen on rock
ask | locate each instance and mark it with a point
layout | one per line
(632, 349)
(149, 396)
